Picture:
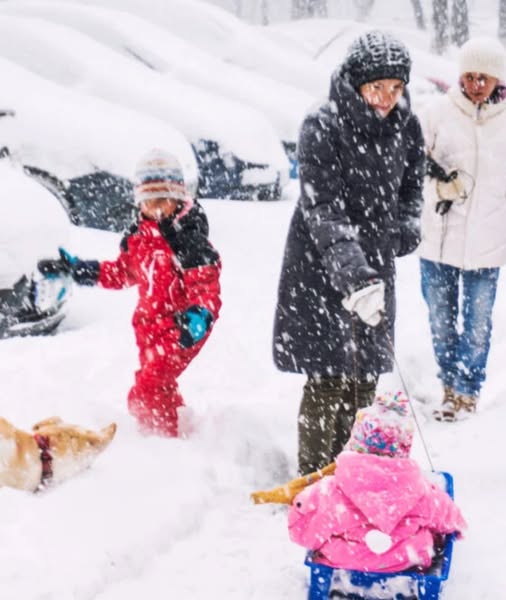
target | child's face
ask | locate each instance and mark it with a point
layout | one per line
(158, 208)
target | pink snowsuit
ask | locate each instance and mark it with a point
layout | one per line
(368, 493)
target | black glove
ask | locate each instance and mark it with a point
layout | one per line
(83, 272)
(194, 323)
(436, 171)
(443, 206)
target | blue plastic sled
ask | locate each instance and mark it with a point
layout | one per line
(328, 583)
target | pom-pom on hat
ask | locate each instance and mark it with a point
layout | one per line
(384, 428)
(159, 175)
(483, 55)
(376, 55)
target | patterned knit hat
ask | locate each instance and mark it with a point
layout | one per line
(376, 55)
(483, 55)
(159, 175)
(385, 428)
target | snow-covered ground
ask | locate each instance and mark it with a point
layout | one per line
(164, 519)
(160, 518)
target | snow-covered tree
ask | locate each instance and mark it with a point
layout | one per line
(363, 8)
(502, 20)
(458, 27)
(302, 9)
(441, 21)
(460, 22)
(264, 11)
(419, 16)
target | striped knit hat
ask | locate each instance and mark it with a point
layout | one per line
(385, 428)
(159, 175)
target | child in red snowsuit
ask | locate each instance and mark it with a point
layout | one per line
(168, 256)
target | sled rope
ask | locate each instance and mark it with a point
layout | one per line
(355, 365)
(399, 372)
(408, 396)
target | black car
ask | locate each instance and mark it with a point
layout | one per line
(32, 225)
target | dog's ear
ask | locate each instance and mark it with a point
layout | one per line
(46, 423)
(107, 433)
(97, 440)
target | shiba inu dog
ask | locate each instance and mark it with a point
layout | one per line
(51, 453)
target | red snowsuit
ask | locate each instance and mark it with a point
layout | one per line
(174, 266)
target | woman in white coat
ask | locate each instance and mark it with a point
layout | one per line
(464, 220)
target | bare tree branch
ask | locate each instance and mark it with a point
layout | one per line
(460, 22)
(441, 22)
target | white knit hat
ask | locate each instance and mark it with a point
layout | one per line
(483, 55)
(159, 175)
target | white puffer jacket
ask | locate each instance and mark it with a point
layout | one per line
(461, 135)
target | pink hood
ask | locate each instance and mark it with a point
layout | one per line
(384, 489)
(389, 497)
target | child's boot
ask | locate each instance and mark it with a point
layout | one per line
(156, 414)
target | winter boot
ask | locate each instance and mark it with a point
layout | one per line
(467, 404)
(449, 407)
(455, 406)
(156, 414)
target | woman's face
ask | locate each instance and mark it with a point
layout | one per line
(382, 95)
(478, 86)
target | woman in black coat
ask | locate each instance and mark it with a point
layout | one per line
(361, 163)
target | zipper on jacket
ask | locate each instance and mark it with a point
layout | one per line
(476, 124)
(444, 229)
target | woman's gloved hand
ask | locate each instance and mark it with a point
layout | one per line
(368, 303)
(436, 171)
(450, 192)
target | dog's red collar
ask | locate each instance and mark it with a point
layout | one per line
(46, 459)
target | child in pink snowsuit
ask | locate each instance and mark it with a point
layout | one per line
(168, 256)
(377, 512)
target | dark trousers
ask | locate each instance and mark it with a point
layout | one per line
(326, 416)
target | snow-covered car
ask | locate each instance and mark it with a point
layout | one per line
(238, 151)
(84, 149)
(32, 225)
(159, 49)
(221, 34)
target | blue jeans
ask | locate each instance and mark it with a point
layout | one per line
(461, 352)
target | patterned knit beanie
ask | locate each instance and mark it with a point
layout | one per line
(159, 175)
(483, 55)
(376, 55)
(384, 428)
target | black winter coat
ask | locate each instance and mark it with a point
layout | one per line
(361, 195)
